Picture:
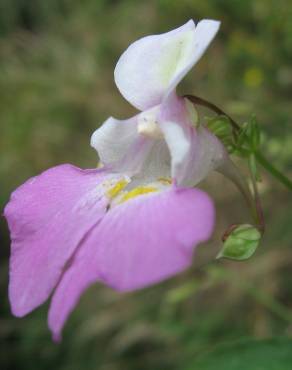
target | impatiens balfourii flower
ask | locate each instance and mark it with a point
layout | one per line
(135, 220)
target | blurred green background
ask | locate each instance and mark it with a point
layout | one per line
(56, 87)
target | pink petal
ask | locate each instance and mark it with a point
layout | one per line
(48, 217)
(138, 243)
(194, 150)
(207, 154)
(154, 65)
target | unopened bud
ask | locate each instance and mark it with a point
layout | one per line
(240, 243)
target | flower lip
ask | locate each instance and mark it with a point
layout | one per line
(138, 243)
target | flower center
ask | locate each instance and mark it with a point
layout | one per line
(139, 190)
(117, 188)
(118, 194)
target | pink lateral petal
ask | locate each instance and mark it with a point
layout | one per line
(138, 243)
(48, 216)
(195, 151)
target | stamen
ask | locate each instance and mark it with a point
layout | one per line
(117, 188)
(165, 181)
(140, 190)
(117, 193)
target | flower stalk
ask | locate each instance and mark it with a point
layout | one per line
(256, 207)
(273, 171)
(236, 128)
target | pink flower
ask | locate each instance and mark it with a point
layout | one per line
(136, 220)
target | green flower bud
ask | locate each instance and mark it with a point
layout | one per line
(241, 243)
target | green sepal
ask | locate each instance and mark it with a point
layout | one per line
(249, 138)
(220, 126)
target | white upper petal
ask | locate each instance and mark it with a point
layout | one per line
(153, 66)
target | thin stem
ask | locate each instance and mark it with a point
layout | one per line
(236, 127)
(258, 207)
(270, 168)
(229, 170)
(252, 201)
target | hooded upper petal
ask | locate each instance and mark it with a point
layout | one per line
(48, 217)
(139, 242)
(152, 66)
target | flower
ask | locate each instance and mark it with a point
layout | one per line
(136, 220)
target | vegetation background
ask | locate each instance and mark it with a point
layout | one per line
(56, 87)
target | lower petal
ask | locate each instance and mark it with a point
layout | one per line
(48, 217)
(138, 243)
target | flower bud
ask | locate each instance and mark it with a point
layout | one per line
(241, 243)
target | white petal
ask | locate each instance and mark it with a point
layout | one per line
(179, 146)
(113, 139)
(156, 164)
(154, 65)
(203, 35)
(194, 151)
(207, 154)
(122, 148)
